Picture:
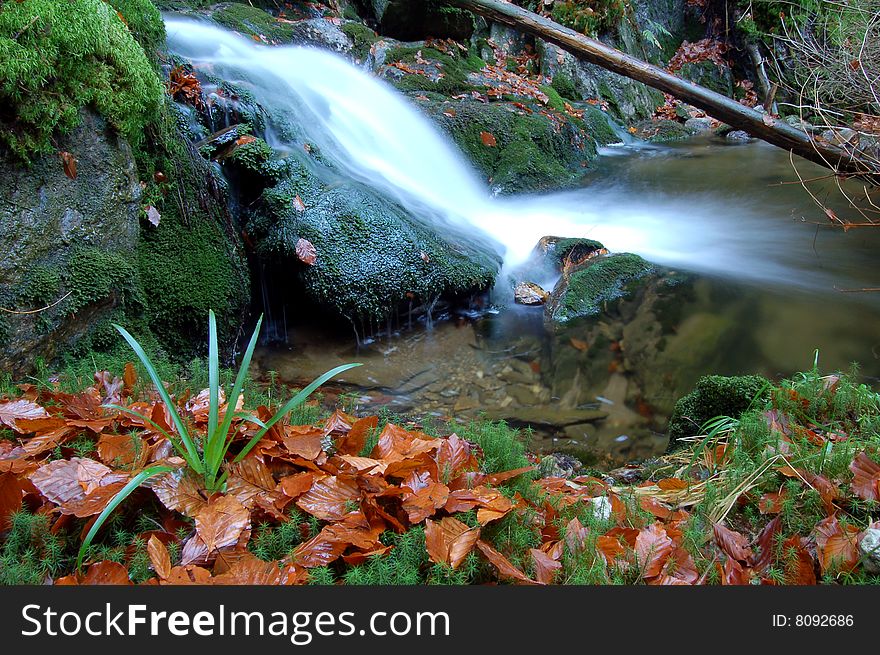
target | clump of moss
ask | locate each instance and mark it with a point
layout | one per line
(58, 57)
(454, 68)
(144, 22)
(252, 21)
(31, 552)
(591, 17)
(602, 280)
(362, 38)
(564, 86)
(713, 396)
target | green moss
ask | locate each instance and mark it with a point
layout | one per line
(145, 24)
(591, 17)
(565, 87)
(362, 38)
(713, 396)
(41, 286)
(252, 21)
(454, 69)
(58, 57)
(31, 552)
(554, 100)
(406, 564)
(603, 280)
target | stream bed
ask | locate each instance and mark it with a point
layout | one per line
(778, 286)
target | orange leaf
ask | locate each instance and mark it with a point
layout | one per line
(545, 566)
(837, 545)
(179, 491)
(653, 548)
(798, 562)
(449, 541)
(866, 477)
(655, 507)
(106, 573)
(732, 543)
(672, 484)
(503, 565)
(328, 497)
(159, 557)
(488, 139)
(13, 411)
(10, 498)
(68, 163)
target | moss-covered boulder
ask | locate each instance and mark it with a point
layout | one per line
(57, 58)
(716, 395)
(67, 245)
(603, 279)
(372, 256)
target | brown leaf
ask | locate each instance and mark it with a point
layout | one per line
(106, 573)
(10, 498)
(733, 573)
(179, 491)
(837, 545)
(68, 163)
(129, 378)
(221, 523)
(771, 502)
(653, 548)
(65, 481)
(328, 497)
(799, 568)
(488, 139)
(304, 441)
(250, 570)
(655, 507)
(503, 476)
(353, 442)
(11, 412)
(159, 557)
(866, 477)
(306, 252)
(672, 484)
(297, 484)
(425, 502)
(765, 543)
(503, 565)
(575, 536)
(545, 566)
(122, 450)
(449, 541)
(732, 543)
(579, 344)
(248, 479)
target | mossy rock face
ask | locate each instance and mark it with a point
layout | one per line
(70, 241)
(372, 256)
(663, 131)
(57, 58)
(715, 395)
(603, 279)
(710, 75)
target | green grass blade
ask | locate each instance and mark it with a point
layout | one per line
(124, 493)
(174, 441)
(185, 437)
(213, 390)
(291, 405)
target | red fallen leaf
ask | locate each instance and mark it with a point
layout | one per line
(328, 497)
(488, 139)
(153, 215)
(68, 163)
(396, 444)
(297, 484)
(655, 507)
(329, 544)
(765, 543)
(454, 457)
(304, 441)
(837, 545)
(451, 113)
(179, 491)
(678, 570)
(106, 573)
(866, 477)
(188, 575)
(353, 442)
(611, 547)
(10, 498)
(672, 484)
(129, 379)
(448, 541)
(122, 450)
(545, 566)
(771, 503)
(306, 252)
(827, 490)
(159, 557)
(491, 503)
(503, 476)
(798, 562)
(64, 481)
(503, 565)
(733, 573)
(732, 543)
(425, 502)
(245, 139)
(250, 570)
(249, 479)
(364, 464)
(361, 557)
(219, 524)
(653, 548)
(575, 536)
(15, 410)
(94, 502)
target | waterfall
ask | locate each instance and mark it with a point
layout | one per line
(376, 136)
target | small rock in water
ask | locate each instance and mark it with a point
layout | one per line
(529, 293)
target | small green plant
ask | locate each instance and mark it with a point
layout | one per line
(206, 456)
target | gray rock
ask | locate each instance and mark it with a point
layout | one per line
(698, 125)
(738, 136)
(46, 222)
(869, 547)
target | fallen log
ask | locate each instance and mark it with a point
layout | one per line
(763, 126)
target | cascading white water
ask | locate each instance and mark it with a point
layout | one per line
(377, 136)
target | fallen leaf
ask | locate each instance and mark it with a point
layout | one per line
(837, 545)
(13, 411)
(545, 566)
(159, 557)
(448, 541)
(503, 565)
(488, 139)
(732, 543)
(106, 573)
(798, 563)
(653, 547)
(10, 498)
(299, 206)
(68, 163)
(306, 252)
(328, 497)
(866, 477)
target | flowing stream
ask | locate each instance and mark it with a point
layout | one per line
(769, 268)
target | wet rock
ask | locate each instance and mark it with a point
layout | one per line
(662, 131)
(869, 547)
(738, 136)
(710, 75)
(410, 21)
(698, 125)
(548, 415)
(373, 257)
(61, 234)
(559, 465)
(529, 293)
